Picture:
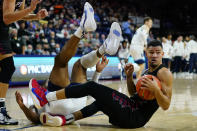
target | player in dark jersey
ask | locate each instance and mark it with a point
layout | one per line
(123, 111)
(8, 15)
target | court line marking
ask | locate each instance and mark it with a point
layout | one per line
(25, 127)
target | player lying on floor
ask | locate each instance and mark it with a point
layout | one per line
(61, 107)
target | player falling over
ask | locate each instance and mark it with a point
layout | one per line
(59, 77)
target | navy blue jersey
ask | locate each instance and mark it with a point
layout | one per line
(147, 107)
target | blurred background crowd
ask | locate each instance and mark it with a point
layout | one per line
(47, 37)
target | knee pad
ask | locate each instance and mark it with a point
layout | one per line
(7, 69)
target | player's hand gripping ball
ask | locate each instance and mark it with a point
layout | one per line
(145, 94)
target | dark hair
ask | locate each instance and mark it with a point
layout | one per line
(154, 43)
(192, 37)
(147, 19)
(125, 40)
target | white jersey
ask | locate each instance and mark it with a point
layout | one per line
(139, 41)
(168, 50)
(169, 42)
(65, 106)
(178, 49)
(124, 53)
(187, 51)
(192, 46)
(140, 37)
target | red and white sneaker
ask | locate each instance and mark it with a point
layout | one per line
(52, 120)
(38, 93)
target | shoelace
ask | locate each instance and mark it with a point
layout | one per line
(5, 113)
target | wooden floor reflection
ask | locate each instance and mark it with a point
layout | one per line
(182, 115)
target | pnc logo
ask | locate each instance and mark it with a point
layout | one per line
(23, 69)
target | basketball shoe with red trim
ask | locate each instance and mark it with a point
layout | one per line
(52, 119)
(38, 93)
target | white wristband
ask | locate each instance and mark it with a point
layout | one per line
(96, 76)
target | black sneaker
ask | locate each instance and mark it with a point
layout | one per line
(5, 119)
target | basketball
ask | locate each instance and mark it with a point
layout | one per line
(145, 94)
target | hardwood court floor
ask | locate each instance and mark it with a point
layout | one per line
(181, 116)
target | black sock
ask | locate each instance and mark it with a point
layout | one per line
(2, 102)
(69, 118)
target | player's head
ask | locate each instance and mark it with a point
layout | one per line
(124, 44)
(169, 37)
(34, 109)
(187, 38)
(154, 53)
(180, 38)
(148, 21)
(192, 37)
(164, 40)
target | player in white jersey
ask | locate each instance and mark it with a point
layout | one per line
(178, 55)
(169, 39)
(139, 42)
(192, 49)
(167, 49)
(123, 55)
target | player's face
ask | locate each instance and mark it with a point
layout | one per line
(154, 55)
(124, 45)
(150, 23)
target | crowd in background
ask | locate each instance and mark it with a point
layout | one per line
(48, 36)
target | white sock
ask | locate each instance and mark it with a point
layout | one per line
(101, 50)
(2, 99)
(69, 118)
(79, 32)
(51, 96)
(2, 102)
(90, 59)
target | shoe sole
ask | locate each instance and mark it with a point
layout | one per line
(34, 98)
(48, 120)
(115, 29)
(88, 8)
(114, 36)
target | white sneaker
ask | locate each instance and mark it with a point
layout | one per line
(5, 119)
(88, 22)
(52, 120)
(112, 43)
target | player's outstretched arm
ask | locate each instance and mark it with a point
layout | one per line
(129, 69)
(40, 15)
(32, 116)
(10, 15)
(99, 68)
